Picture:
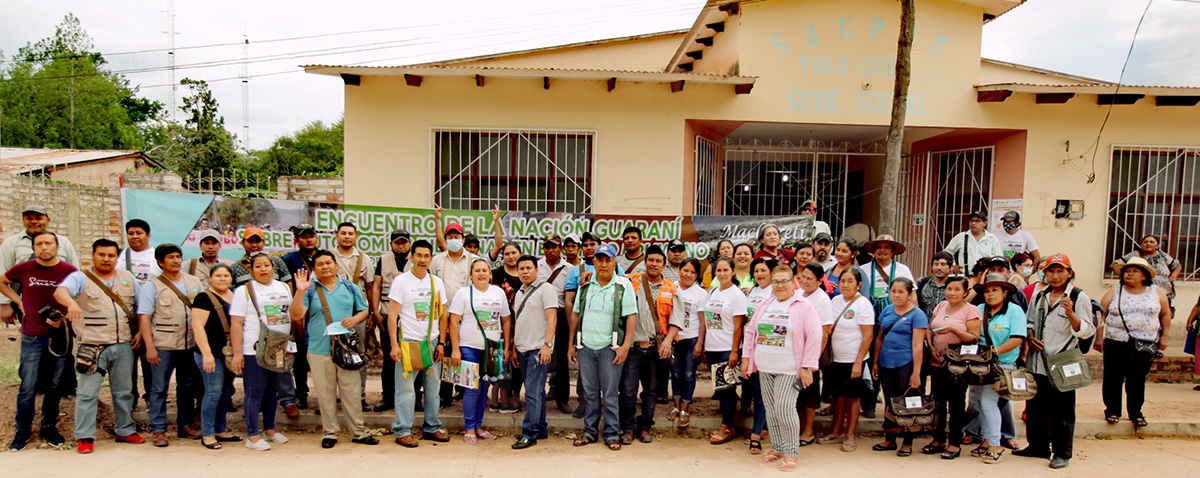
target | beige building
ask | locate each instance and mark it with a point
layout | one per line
(82, 166)
(761, 105)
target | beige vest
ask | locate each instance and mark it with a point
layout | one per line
(104, 322)
(199, 268)
(172, 320)
(388, 273)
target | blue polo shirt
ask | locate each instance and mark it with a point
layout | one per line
(897, 348)
(344, 301)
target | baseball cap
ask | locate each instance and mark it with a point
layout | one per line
(454, 226)
(823, 236)
(588, 236)
(251, 232)
(470, 239)
(1013, 216)
(606, 250)
(978, 214)
(552, 239)
(675, 244)
(1060, 259)
(303, 228)
(572, 237)
(998, 261)
(35, 208)
(209, 234)
(400, 234)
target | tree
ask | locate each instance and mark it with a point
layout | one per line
(895, 139)
(315, 149)
(201, 144)
(57, 93)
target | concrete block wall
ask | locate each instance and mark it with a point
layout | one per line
(321, 190)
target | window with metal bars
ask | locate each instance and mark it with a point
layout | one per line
(1155, 190)
(521, 170)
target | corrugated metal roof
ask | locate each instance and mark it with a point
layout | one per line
(508, 72)
(1088, 88)
(29, 159)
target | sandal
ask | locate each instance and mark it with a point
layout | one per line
(808, 442)
(1140, 422)
(216, 445)
(903, 452)
(979, 451)
(685, 419)
(583, 440)
(755, 447)
(787, 465)
(830, 439)
(1112, 419)
(993, 457)
(673, 414)
(932, 449)
(613, 444)
(882, 447)
(950, 455)
(721, 436)
(1009, 443)
(770, 457)
(469, 438)
(849, 446)
(486, 435)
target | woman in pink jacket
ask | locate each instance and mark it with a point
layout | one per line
(783, 343)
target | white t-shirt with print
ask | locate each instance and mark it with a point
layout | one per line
(773, 349)
(847, 336)
(824, 305)
(881, 285)
(756, 296)
(1013, 244)
(489, 307)
(720, 308)
(692, 299)
(142, 264)
(414, 295)
(274, 300)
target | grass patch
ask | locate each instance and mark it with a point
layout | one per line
(8, 371)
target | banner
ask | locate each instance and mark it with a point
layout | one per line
(181, 218)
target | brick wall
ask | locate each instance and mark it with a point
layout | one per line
(153, 181)
(1173, 369)
(322, 190)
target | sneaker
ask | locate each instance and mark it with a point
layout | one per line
(1059, 463)
(19, 441)
(328, 442)
(276, 438)
(53, 438)
(260, 445)
(132, 438)
(491, 408)
(508, 410)
(367, 440)
(85, 446)
(292, 411)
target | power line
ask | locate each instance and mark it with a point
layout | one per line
(1120, 79)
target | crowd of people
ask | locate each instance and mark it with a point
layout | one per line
(801, 324)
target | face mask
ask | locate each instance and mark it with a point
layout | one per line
(1041, 276)
(1026, 271)
(1010, 227)
(454, 245)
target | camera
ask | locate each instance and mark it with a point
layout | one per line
(50, 315)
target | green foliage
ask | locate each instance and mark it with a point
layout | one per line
(316, 149)
(242, 210)
(56, 93)
(201, 144)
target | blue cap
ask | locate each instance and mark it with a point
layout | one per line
(606, 250)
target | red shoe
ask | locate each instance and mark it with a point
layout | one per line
(85, 446)
(133, 438)
(292, 411)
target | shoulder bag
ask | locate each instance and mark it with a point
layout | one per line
(1066, 370)
(910, 413)
(521, 308)
(227, 350)
(492, 366)
(974, 364)
(417, 355)
(270, 350)
(1015, 385)
(1142, 349)
(827, 353)
(345, 350)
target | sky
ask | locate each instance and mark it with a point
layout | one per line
(1083, 37)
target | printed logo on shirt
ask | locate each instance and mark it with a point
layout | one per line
(35, 282)
(772, 335)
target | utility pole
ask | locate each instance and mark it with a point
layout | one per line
(888, 211)
(245, 93)
(71, 95)
(171, 55)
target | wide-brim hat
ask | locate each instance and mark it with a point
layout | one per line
(997, 280)
(897, 248)
(1139, 262)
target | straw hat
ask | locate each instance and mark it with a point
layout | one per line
(1139, 262)
(897, 248)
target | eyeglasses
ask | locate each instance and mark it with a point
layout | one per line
(781, 283)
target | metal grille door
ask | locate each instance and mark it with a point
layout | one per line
(707, 173)
(964, 184)
(762, 179)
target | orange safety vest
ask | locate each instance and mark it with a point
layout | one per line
(663, 303)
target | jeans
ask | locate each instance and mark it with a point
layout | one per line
(474, 401)
(40, 372)
(1050, 419)
(1122, 367)
(752, 387)
(116, 361)
(683, 373)
(728, 397)
(640, 367)
(950, 396)
(601, 379)
(183, 364)
(285, 387)
(990, 410)
(406, 399)
(1008, 430)
(260, 387)
(534, 423)
(218, 394)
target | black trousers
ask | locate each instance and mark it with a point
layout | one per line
(951, 397)
(389, 370)
(894, 382)
(560, 367)
(1123, 367)
(300, 369)
(640, 368)
(1050, 419)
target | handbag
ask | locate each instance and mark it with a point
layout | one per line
(1142, 349)
(270, 350)
(827, 353)
(910, 414)
(1015, 385)
(975, 364)
(87, 358)
(1066, 370)
(417, 355)
(227, 350)
(492, 368)
(345, 350)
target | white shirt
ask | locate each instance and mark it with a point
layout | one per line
(454, 274)
(773, 351)
(141, 263)
(756, 296)
(1013, 244)
(987, 246)
(273, 303)
(720, 308)
(824, 305)
(414, 296)
(560, 281)
(486, 309)
(693, 299)
(847, 336)
(529, 329)
(881, 285)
